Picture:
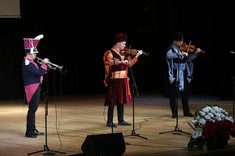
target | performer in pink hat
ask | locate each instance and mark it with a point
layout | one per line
(32, 76)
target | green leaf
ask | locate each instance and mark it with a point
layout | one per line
(190, 125)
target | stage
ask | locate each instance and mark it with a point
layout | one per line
(82, 115)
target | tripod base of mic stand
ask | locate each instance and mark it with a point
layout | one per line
(49, 152)
(134, 134)
(176, 131)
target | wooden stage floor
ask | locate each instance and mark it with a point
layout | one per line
(82, 115)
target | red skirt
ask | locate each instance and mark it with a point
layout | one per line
(121, 92)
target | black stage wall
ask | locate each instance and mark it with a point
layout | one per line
(77, 33)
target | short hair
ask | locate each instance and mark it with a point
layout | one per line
(178, 36)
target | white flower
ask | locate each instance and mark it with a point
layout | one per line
(207, 117)
(209, 108)
(222, 115)
(218, 115)
(217, 109)
(202, 121)
(213, 111)
(198, 118)
(226, 113)
(222, 110)
(211, 115)
(229, 118)
(202, 113)
(206, 110)
(197, 133)
(200, 134)
(194, 121)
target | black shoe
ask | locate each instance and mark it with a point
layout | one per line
(109, 124)
(36, 132)
(30, 135)
(124, 123)
(189, 114)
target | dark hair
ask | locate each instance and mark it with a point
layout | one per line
(177, 36)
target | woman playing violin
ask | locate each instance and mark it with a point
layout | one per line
(116, 75)
(180, 70)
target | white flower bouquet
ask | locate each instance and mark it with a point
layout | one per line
(211, 114)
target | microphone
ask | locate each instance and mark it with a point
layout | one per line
(115, 59)
(232, 52)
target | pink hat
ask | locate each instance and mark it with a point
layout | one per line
(30, 44)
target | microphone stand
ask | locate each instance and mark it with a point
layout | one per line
(134, 88)
(233, 78)
(233, 94)
(46, 148)
(112, 88)
(177, 130)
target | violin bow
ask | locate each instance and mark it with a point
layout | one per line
(188, 46)
(129, 48)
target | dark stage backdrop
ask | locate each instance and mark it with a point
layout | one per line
(77, 33)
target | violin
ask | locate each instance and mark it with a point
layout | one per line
(190, 48)
(132, 52)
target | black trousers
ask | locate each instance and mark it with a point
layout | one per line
(33, 106)
(184, 99)
(120, 111)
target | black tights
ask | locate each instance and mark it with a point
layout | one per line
(120, 111)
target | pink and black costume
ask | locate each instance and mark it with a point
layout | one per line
(32, 76)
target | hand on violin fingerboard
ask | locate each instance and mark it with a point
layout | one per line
(198, 50)
(140, 52)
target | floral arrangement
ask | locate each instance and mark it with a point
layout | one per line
(212, 127)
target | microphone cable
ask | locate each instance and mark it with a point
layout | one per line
(56, 123)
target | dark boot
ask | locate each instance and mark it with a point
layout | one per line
(120, 110)
(37, 132)
(110, 117)
(185, 105)
(109, 124)
(30, 134)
